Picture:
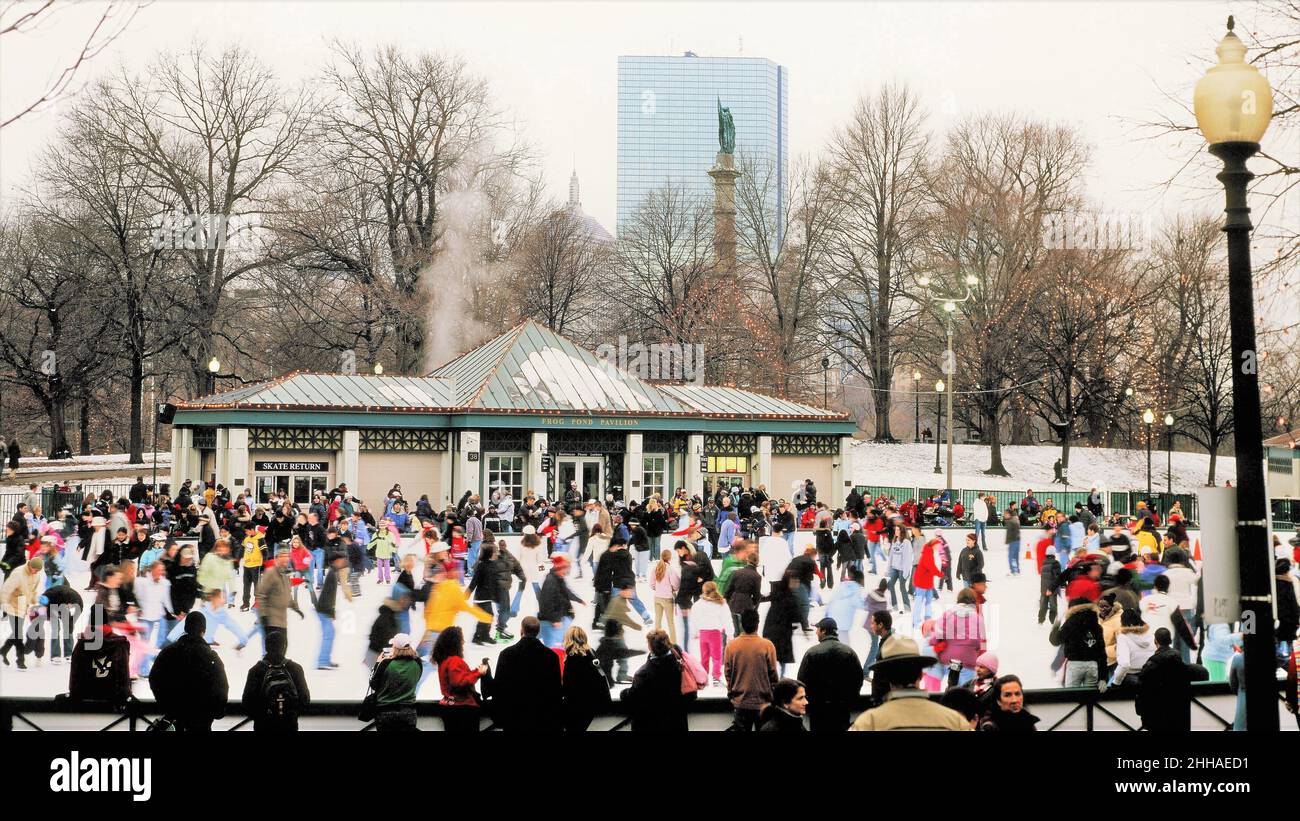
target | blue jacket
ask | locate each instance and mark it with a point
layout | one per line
(844, 605)
(726, 534)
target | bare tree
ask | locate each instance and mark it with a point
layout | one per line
(665, 264)
(877, 165)
(558, 267)
(51, 328)
(215, 132)
(412, 129)
(20, 16)
(784, 255)
(998, 180)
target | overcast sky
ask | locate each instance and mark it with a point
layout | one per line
(553, 65)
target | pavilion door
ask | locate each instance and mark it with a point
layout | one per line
(586, 472)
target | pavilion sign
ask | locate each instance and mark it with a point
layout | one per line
(292, 467)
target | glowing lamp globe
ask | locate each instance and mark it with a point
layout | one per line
(1233, 101)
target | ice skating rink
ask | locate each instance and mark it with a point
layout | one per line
(1011, 620)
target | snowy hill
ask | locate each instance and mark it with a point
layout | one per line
(1030, 466)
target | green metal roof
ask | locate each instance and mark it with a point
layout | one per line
(528, 370)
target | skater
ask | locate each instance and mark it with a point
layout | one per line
(665, 580)
(715, 626)
(900, 566)
(18, 595)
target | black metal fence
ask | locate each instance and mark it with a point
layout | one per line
(1286, 512)
(1109, 710)
(52, 500)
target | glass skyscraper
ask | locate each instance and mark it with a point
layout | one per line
(668, 123)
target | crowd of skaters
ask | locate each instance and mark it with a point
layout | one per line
(438, 564)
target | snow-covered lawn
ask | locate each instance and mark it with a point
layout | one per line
(1030, 466)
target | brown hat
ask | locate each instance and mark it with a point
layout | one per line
(898, 651)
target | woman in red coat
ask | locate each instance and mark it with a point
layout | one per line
(456, 681)
(927, 571)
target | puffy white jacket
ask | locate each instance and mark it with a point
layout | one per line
(707, 615)
(153, 597)
(1133, 646)
(1182, 586)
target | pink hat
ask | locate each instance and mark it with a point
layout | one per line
(988, 660)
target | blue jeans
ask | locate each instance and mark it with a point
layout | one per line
(922, 599)
(636, 605)
(789, 539)
(896, 575)
(152, 635)
(1013, 555)
(873, 652)
(876, 550)
(324, 659)
(471, 558)
(980, 527)
(317, 566)
(642, 564)
(553, 637)
(1063, 556)
(519, 597)
(804, 594)
(219, 617)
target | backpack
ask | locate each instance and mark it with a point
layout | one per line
(279, 693)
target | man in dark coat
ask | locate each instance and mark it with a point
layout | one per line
(655, 697)
(856, 503)
(188, 679)
(528, 695)
(271, 717)
(1164, 699)
(832, 676)
(745, 589)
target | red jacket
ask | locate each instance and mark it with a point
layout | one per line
(456, 681)
(1040, 551)
(874, 528)
(926, 569)
(1082, 587)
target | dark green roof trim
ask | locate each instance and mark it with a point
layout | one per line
(477, 421)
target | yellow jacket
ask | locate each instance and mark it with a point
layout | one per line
(446, 601)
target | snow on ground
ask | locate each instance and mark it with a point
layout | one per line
(1030, 466)
(44, 471)
(1011, 621)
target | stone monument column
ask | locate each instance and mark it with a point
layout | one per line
(724, 176)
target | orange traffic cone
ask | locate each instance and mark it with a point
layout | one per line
(1196, 554)
(1029, 554)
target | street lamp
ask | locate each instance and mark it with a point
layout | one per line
(379, 369)
(1148, 417)
(1169, 456)
(949, 366)
(1233, 105)
(826, 385)
(214, 366)
(938, 416)
(916, 391)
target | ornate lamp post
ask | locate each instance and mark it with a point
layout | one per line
(938, 417)
(916, 391)
(1233, 104)
(1148, 417)
(214, 366)
(949, 363)
(379, 369)
(826, 382)
(1169, 456)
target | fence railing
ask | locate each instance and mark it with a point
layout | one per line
(53, 500)
(1286, 512)
(1212, 708)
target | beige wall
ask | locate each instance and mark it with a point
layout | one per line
(417, 473)
(786, 470)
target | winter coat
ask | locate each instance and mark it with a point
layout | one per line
(927, 569)
(256, 707)
(844, 605)
(528, 693)
(1288, 611)
(1049, 574)
(751, 668)
(274, 598)
(1133, 646)
(776, 720)
(1158, 610)
(456, 681)
(384, 627)
(483, 587)
(711, 615)
(189, 682)
(832, 677)
(970, 562)
(446, 601)
(585, 689)
(555, 603)
(900, 556)
(778, 625)
(1080, 634)
(655, 697)
(961, 630)
(999, 720)
(910, 709)
(1164, 698)
(745, 590)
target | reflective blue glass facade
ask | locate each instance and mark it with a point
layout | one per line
(668, 123)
